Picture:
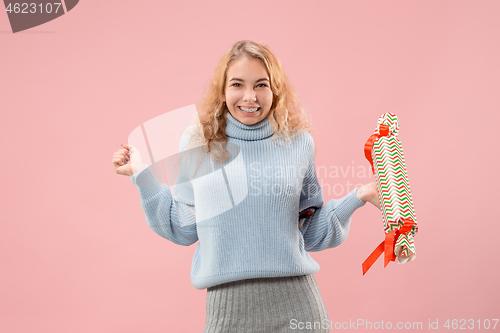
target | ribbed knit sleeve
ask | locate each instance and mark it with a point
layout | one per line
(328, 225)
(172, 216)
(311, 194)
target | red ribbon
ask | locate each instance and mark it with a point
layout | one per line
(384, 131)
(387, 246)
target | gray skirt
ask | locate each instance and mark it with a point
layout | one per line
(267, 305)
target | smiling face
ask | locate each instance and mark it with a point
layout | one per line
(247, 87)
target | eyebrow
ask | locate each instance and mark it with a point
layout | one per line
(236, 79)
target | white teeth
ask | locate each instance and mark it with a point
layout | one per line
(248, 110)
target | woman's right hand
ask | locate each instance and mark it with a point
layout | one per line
(128, 161)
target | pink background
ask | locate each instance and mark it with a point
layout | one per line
(76, 254)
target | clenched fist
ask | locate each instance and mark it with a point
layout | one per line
(127, 161)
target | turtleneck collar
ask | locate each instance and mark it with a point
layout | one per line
(237, 130)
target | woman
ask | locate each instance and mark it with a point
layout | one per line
(248, 192)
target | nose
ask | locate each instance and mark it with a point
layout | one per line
(250, 96)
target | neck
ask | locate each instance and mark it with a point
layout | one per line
(237, 130)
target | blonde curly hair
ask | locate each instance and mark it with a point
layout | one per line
(287, 116)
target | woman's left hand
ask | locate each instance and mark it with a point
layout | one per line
(369, 193)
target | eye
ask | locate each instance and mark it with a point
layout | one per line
(234, 84)
(262, 84)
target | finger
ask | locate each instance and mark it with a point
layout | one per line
(121, 154)
(124, 154)
(120, 157)
(120, 161)
(125, 147)
(121, 169)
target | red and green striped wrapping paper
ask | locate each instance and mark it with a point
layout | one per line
(393, 187)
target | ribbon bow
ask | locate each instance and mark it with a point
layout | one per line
(387, 246)
(384, 131)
